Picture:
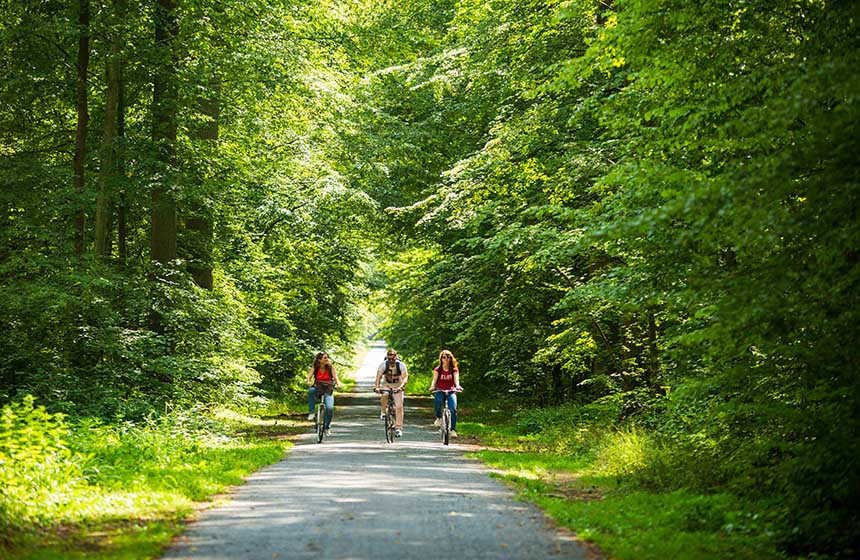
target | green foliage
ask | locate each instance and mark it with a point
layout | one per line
(596, 488)
(655, 196)
(647, 205)
(93, 475)
(38, 471)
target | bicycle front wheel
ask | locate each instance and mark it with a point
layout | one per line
(389, 425)
(320, 423)
(446, 425)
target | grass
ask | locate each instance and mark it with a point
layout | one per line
(581, 477)
(138, 484)
(123, 491)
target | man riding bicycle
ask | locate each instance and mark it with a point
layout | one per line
(393, 372)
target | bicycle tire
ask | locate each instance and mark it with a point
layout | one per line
(389, 423)
(320, 422)
(446, 425)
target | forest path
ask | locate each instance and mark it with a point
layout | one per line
(356, 497)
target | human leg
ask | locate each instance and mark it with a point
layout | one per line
(384, 403)
(312, 398)
(452, 404)
(398, 414)
(437, 403)
(328, 400)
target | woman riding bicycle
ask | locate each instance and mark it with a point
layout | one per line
(446, 377)
(322, 379)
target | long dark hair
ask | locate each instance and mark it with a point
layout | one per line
(452, 365)
(318, 362)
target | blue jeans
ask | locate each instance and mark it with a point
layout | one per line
(452, 404)
(328, 400)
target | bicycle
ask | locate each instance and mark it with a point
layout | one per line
(390, 413)
(446, 414)
(319, 418)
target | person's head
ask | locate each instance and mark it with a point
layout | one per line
(447, 361)
(322, 361)
(391, 355)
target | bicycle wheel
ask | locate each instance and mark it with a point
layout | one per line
(446, 425)
(320, 422)
(389, 424)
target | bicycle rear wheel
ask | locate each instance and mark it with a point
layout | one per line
(446, 425)
(320, 422)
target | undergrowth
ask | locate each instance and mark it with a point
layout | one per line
(621, 485)
(118, 489)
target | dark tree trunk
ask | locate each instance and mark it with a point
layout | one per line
(83, 119)
(199, 224)
(122, 213)
(557, 390)
(653, 367)
(104, 202)
(164, 109)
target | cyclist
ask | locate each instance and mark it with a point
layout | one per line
(322, 380)
(446, 377)
(394, 373)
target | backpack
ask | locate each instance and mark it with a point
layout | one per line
(399, 370)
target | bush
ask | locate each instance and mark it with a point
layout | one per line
(37, 469)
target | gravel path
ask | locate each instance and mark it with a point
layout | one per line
(356, 497)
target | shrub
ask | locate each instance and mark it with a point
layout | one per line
(37, 469)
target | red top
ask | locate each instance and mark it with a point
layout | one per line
(323, 375)
(445, 379)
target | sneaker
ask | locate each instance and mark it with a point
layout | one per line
(312, 416)
(327, 433)
(437, 422)
(453, 434)
(398, 433)
(382, 416)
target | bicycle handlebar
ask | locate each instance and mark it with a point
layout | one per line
(387, 390)
(447, 391)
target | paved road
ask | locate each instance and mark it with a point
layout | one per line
(354, 497)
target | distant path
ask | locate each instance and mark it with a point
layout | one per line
(355, 497)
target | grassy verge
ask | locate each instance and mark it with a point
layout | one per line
(122, 491)
(582, 474)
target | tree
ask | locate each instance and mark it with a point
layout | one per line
(83, 116)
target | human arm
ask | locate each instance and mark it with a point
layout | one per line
(335, 379)
(433, 381)
(378, 377)
(404, 376)
(310, 379)
(457, 380)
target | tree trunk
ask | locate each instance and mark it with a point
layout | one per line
(164, 108)
(199, 223)
(122, 227)
(83, 118)
(557, 390)
(653, 368)
(104, 202)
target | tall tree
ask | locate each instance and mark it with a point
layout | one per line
(199, 222)
(82, 68)
(164, 129)
(107, 178)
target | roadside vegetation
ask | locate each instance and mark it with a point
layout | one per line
(84, 488)
(619, 485)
